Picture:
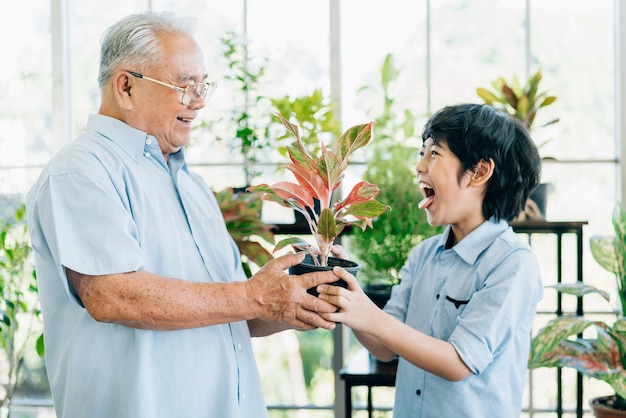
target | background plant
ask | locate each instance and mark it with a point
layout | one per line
(521, 101)
(248, 120)
(315, 117)
(20, 327)
(383, 249)
(241, 212)
(602, 355)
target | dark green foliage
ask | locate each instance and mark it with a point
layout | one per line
(383, 249)
(19, 328)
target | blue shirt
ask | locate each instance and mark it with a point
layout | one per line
(110, 203)
(481, 296)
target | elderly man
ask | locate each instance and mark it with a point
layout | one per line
(146, 309)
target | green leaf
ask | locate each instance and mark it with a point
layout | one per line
(327, 228)
(39, 345)
(488, 97)
(293, 241)
(579, 289)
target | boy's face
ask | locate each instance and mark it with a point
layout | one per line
(452, 198)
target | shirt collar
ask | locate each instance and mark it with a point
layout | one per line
(470, 247)
(136, 143)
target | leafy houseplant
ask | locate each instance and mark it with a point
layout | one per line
(21, 320)
(602, 356)
(241, 214)
(523, 101)
(383, 249)
(247, 121)
(316, 178)
(520, 101)
(313, 114)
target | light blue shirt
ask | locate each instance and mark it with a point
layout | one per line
(110, 203)
(481, 296)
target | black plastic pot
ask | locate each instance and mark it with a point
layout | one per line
(308, 266)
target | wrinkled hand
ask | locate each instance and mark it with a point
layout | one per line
(283, 298)
(356, 309)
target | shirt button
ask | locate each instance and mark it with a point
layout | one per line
(146, 154)
(148, 141)
(418, 392)
(243, 395)
(239, 346)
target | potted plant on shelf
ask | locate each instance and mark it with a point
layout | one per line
(601, 353)
(317, 177)
(241, 212)
(523, 101)
(383, 249)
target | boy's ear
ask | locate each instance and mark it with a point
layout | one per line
(482, 172)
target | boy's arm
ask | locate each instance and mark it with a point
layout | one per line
(384, 336)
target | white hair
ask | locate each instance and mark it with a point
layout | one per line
(133, 42)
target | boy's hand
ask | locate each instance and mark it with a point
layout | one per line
(339, 252)
(355, 309)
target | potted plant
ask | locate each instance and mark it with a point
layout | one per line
(313, 114)
(20, 327)
(246, 124)
(241, 212)
(600, 354)
(383, 249)
(317, 177)
(523, 101)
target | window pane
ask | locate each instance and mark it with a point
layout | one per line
(26, 85)
(573, 42)
(369, 31)
(469, 49)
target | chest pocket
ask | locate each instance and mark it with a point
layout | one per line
(449, 308)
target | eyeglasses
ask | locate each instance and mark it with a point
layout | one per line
(190, 94)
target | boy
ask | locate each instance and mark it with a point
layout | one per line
(460, 320)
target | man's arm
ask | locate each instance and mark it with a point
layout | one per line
(145, 300)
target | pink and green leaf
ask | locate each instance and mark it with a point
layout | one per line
(352, 139)
(312, 182)
(361, 192)
(293, 241)
(326, 226)
(364, 210)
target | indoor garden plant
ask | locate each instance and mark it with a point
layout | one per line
(523, 101)
(601, 352)
(313, 113)
(383, 249)
(317, 177)
(246, 124)
(20, 327)
(241, 212)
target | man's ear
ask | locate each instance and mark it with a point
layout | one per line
(122, 89)
(482, 172)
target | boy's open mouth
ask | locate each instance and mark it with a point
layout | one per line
(429, 194)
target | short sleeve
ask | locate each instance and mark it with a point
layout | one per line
(86, 225)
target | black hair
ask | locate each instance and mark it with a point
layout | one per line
(476, 132)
